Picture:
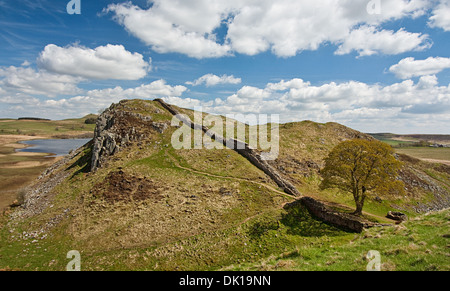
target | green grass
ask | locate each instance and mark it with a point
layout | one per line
(265, 235)
(284, 239)
(47, 128)
(195, 226)
(417, 245)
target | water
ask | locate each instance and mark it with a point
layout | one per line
(56, 147)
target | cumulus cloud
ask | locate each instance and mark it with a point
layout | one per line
(212, 80)
(174, 26)
(29, 81)
(369, 40)
(285, 27)
(440, 16)
(101, 63)
(368, 107)
(409, 67)
(90, 101)
(155, 89)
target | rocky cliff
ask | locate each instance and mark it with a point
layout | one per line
(117, 128)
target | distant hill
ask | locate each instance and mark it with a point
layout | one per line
(396, 139)
(33, 118)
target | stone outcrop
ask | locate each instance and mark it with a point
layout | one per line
(398, 216)
(104, 141)
(116, 129)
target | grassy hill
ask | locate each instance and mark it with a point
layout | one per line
(151, 207)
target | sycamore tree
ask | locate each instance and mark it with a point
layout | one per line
(361, 167)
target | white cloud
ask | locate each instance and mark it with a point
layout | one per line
(407, 106)
(400, 107)
(285, 27)
(184, 102)
(29, 81)
(409, 67)
(368, 40)
(103, 62)
(440, 16)
(91, 101)
(173, 26)
(212, 80)
(155, 89)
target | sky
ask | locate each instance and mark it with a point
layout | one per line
(372, 65)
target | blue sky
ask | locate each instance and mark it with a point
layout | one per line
(373, 65)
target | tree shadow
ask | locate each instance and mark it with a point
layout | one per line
(299, 221)
(84, 160)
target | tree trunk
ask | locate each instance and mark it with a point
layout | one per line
(360, 202)
(359, 207)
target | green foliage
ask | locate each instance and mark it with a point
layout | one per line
(361, 166)
(90, 120)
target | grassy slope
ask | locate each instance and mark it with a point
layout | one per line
(208, 218)
(304, 145)
(417, 245)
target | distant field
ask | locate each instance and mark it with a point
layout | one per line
(427, 153)
(55, 128)
(399, 140)
(418, 146)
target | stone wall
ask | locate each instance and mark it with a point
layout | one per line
(339, 219)
(315, 207)
(243, 149)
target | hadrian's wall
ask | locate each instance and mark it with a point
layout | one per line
(243, 149)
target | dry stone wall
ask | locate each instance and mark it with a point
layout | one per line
(113, 131)
(242, 148)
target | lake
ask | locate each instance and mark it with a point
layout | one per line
(56, 147)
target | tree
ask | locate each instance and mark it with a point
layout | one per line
(360, 167)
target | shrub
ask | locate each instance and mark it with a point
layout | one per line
(90, 120)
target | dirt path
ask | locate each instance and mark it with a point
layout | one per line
(337, 205)
(177, 164)
(327, 203)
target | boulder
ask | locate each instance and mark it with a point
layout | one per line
(397, 216)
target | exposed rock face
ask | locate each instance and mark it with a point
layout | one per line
(116, 129)
(104, 141)
(417, 180)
